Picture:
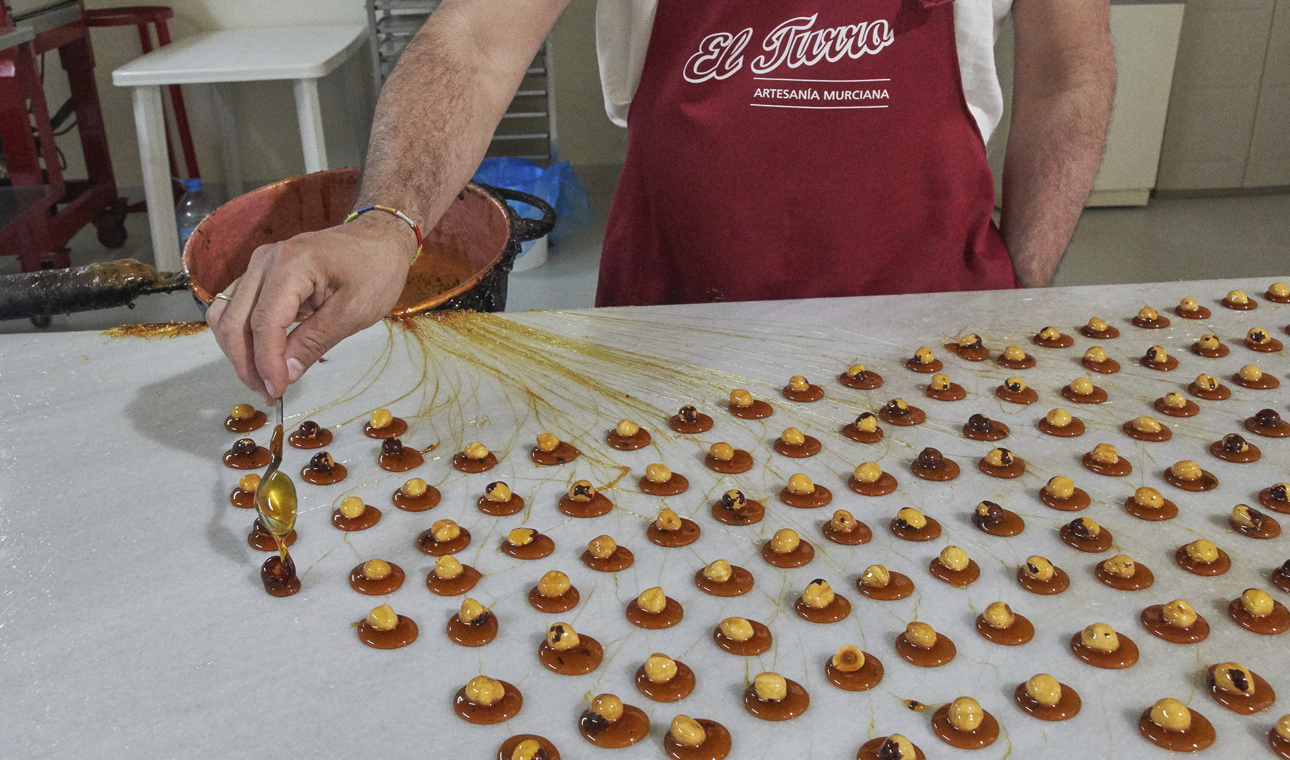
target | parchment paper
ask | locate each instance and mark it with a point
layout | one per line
(133, 623)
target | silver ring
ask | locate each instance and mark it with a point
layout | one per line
(224, 297)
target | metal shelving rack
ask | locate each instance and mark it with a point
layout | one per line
(527, 129)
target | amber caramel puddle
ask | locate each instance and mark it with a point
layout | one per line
(156, 330)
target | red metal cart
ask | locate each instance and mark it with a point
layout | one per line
(40, 210)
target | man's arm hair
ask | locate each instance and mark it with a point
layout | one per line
(439, 107)
(1063, 88)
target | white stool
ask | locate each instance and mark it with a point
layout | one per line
(299, 53)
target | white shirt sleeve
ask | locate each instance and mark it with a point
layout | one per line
(623, 29)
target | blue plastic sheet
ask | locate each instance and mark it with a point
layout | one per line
(557, 185)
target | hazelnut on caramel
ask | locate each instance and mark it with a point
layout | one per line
(607, 707)
(1058, 418)
(561, 637)
(818, 594)
(667, 520)
(877, 576)
(1179, 613)
(447, 568)
(1044, 689)
(521, 536)
(848, 659)
(602, 547)
(553, 584)
(800, 484)
(1039, 568)
(1171, 715)
(867, 472)
(866, 422)
(999, 615)
(444, 530)
(954, 558)
(472, 612)
(842, 521)
(785, 541)
(352, 507)
(383, 618)
(1060, 487)
(718, 571)
(920, 635)
(657, 473)
(687, 732)
(737, 629)
(966, 714)
(722, 452)
(652, 600)
(1121, 566)
(659, 668)
(1148, 497)
(770, 687)
(1257, 602)
(1105, 453)
(1234, 678)
(911, 518)
(1100, 637)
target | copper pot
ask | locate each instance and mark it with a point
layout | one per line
(464, 264)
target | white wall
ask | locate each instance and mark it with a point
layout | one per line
(265, 111)
(1231, 97)
(586, 135)
(1146, 41)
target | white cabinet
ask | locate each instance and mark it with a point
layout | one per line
(1145, 36)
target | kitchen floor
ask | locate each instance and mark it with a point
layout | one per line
(1171, 239)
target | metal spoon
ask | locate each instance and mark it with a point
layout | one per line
(275, 498)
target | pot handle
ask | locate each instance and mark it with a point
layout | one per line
(527, 229)
(102, 285)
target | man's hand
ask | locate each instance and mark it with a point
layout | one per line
(1061, 107)
(337, 281)
(433, 124)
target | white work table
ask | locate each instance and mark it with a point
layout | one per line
(134, 622)
(302, 54)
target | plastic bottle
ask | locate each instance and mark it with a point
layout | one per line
(193, 207)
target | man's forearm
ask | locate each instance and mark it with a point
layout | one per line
(1061, 109)
(440, 106)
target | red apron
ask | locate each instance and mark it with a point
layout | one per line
(801, 149)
